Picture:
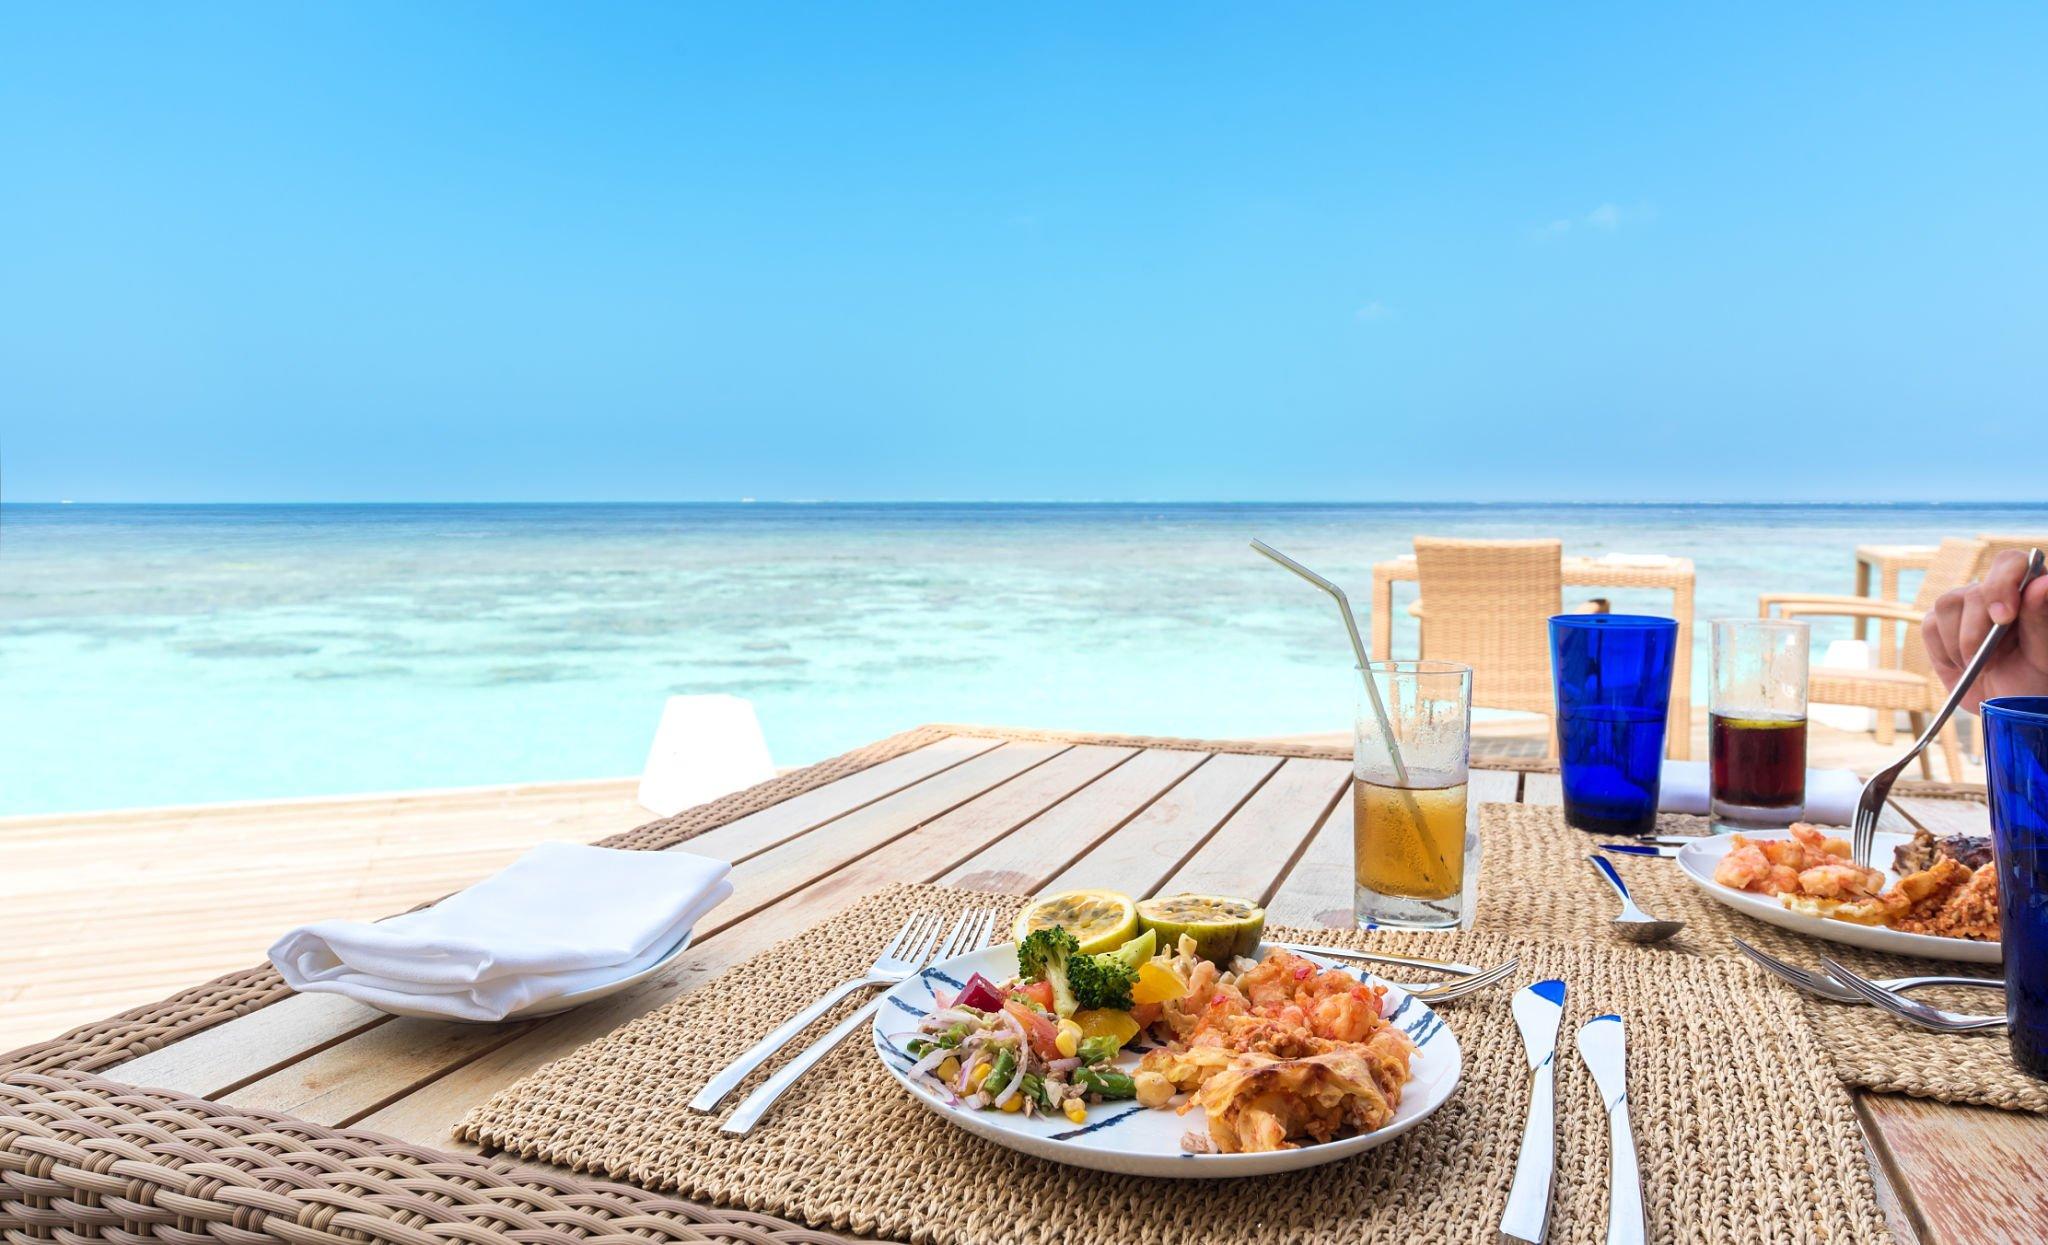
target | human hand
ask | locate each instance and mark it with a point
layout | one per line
(1963, 616)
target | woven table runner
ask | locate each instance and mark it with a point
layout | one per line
(1743, 1131)
(1535, 882)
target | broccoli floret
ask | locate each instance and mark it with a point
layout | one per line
(1042, 949)
(1101, 981)
(1044, 955)
(1078, 981)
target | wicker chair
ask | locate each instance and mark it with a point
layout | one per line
(1487, 604)
(1903, 678)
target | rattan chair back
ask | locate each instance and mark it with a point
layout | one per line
(1487, 604)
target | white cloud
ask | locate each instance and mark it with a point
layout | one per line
(1374, 310)
(1606, 218)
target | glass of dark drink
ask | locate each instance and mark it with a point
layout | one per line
(1756, 723)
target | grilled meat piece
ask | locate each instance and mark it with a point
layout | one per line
(1972, 851)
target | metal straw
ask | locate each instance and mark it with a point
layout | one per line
(1372, 689)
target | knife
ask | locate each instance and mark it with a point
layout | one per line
(1538, 1009)
(1636, 849)
(1600, 1045)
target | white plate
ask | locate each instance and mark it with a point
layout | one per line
(563, 1002)
(1142, 1141)
(1698, 858)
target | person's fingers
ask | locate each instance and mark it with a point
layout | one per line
(2001, 587)
(1976, 622)
(1938, 631)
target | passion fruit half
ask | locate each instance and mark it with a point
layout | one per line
(1223, 928)
(1101, 921)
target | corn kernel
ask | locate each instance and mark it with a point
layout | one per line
(1069, 1039)
(976, 1077)
(949, 1068)
(1076, 1110)
(1016, 1103)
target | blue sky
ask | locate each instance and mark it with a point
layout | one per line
(505, 251)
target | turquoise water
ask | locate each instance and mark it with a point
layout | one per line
(154, 655)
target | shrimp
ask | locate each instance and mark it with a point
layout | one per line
(1783, 879)
(1840, 881)
(1351, 1016)
(1744, 864)
(1820, 844)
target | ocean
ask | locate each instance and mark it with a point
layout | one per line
(176, 654)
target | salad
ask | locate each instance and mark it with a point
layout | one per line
(1047, 1039)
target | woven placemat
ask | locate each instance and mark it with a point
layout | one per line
(1536, 883)
(1765, 1149)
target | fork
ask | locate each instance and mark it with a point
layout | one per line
(971, 932)
(1906, 1009)
(1351, 953)
(896, 962)
(1445, 991)
(1824, 986)
(1871, 803)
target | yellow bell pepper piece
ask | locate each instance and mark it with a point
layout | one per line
(1157, 984)
(1106, 1022)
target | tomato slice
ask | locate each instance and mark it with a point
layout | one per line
(1039, 992)
(1039, 1028)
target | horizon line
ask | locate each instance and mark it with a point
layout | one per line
(1808, 504)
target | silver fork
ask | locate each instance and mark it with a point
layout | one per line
(1871, 803)
(1405, 961)
(905, 952)
(1826, 987)
(971, 932)
(1444, 992)
(1906, 1009)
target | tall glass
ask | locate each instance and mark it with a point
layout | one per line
(1756, 722)
(1408, 793)
(2016, 767)
(1613, 678)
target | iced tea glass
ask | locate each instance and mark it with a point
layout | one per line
(1411, 743)
(1756, 723)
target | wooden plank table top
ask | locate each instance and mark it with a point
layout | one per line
(1673, 575)
(1019, 813)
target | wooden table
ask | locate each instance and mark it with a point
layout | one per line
(1018, 812)
(1674, 575)
(1887, 561)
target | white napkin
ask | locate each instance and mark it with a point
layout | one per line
(560, 919)
(1831, 794)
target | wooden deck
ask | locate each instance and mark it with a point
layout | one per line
(104, 911)
(100, 912)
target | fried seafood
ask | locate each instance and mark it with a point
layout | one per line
(1280, 1052)
(1812, 873)
(1265, 1103)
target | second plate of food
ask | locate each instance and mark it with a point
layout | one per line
(1699, 859)
(1120, 1135)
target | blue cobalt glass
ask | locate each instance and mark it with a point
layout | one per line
(2016, 763)
(1613, 679)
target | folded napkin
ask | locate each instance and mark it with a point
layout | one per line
(560, 919)
(1831, 794)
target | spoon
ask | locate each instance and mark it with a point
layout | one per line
(1633, 924)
